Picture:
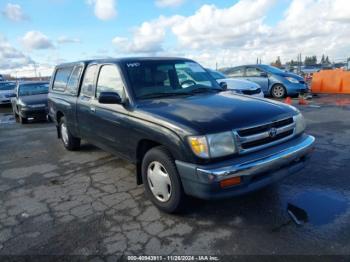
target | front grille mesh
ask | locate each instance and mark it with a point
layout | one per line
(258, 137)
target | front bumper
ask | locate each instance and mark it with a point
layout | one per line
(256, 170)
(295, 89)
(34, 113)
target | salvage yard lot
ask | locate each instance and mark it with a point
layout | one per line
(87, 202)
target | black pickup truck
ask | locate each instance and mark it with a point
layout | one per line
(186, 138)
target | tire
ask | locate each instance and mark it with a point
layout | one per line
(69, 141)
(278, 91)
(173, 202)
(22, 120)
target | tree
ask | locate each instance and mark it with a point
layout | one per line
(310, 60)
(277, 63)
(327, 61)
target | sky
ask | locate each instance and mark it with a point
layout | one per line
(38, 34)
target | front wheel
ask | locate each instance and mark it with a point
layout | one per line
(161, 180)
(278, 91)
(70, 142)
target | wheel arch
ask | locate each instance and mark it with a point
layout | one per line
(58, 117)
(143, 147)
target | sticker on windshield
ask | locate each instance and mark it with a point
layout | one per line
(195, 67)
(136, 64)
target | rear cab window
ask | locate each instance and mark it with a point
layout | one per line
(73, 82)
(87, 87)
(67, 79)
(61, 79)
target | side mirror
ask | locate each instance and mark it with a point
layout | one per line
(109, 98)
(263, 74)
(223, 85)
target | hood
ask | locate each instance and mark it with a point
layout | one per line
(239, 84)
(212, 113)
(34, 99)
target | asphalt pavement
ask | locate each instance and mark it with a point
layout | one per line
(87, 202)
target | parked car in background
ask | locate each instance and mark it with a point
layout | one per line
(239, 86)
(7, 91)
(272, 80)
(30, 101)
(186, 137)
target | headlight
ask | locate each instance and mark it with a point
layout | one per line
(221, 144)
(211, 146)
(300, 124)
(292, 80)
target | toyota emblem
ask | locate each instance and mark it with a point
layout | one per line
(273, 132)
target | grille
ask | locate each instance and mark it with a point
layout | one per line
(251, 92)
(262, 136)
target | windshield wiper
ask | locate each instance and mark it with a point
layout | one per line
(205, 90)
(161, 95)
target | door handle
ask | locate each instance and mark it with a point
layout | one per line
(93, 109)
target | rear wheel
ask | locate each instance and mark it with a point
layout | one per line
(70, 142)
(161, 180)
(278, 91)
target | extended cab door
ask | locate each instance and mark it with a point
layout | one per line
(112, 120)
(84, 103)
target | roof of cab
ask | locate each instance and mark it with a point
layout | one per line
(123, 60)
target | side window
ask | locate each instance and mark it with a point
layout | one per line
(73, 82)
(253, 71)
(109, 80)
(238, 72)
(87, 87)
(61, 79)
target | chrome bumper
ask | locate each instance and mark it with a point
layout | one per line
(262, 165)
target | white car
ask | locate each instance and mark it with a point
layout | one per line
(239, 86)
(7, 91)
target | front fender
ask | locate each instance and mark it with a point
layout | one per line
(145, 130)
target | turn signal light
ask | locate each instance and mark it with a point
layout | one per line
(230, 182)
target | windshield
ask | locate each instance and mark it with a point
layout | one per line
(169, 78)
(216, 74)
(33, 89)
(272, 69)
(7, 86)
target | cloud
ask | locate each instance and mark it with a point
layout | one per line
(14, 13)
(36, 40)
(148, 37)
(104, 9)
(239, 33)
(214, 27)
(10, 57)
(68, 40)
(169, 3)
